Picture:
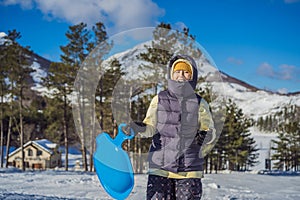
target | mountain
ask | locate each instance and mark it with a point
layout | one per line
(37, 62)
(254, 102)
(41, 67)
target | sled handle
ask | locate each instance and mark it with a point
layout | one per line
(121, 136)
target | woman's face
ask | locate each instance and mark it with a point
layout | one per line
(181, 76)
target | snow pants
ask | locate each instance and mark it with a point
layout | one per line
(162, 188)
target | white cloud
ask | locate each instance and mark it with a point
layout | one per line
(284, 72)
(115, 14)
(265, 69)
(287, 72)
(25, 4)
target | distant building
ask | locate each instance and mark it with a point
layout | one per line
(38, 154)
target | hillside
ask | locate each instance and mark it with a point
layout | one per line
(254, 101)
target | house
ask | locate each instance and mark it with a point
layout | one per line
(38, 154)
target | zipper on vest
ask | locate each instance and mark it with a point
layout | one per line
(180, 160)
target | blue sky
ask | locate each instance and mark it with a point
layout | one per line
(257, 41)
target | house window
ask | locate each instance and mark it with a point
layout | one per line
(30, 152)
(39, 153)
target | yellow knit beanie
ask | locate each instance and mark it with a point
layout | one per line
(182, 64)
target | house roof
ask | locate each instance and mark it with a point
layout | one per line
(44, 144)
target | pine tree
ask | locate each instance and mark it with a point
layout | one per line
(287, 144)
(35, 120)
(260, 123)
(18, 77)
(187, 44)
(110, 78)
(157, 56)
(213, 158)
(62, 76)
(89, 90)
(7, 61)
(165, 44)
(285, 123)
(236, 145)
(59, 82)
(4, 91)
(281, 148)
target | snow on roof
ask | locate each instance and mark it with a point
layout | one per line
(44, 144)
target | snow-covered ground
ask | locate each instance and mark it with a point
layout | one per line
(56, 184)
(59, 184)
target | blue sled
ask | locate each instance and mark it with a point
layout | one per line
(112, 164)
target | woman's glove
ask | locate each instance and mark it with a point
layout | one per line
(205, 137)
(137, 127)
(200, 136)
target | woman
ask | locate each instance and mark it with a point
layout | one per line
(179, 121)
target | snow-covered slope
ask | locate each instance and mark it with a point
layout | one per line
(258, 103)
(37, 63)
(253, 101)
